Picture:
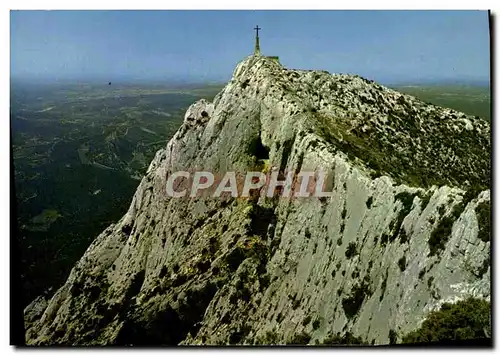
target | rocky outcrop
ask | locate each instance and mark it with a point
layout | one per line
(400, 235)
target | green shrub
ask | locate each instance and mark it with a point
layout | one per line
(351, 250)
(429, 281)
(403, 237)
(269, 339)
(485, 266)
(359, 292)
(466, 319)
(393, 336)
(439, 236)
(300, 339)
(280, 317)
(402, 263)
(441, 210)
(406, 200)
(472, 192)
(425, 200)
(244, 84)
(483, 219)
(369, 202)
(383, 286)
(370, 265)
(384, 239)
(307, 234)
(346, 339)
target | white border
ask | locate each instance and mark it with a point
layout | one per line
(252, 5)
(186, 4)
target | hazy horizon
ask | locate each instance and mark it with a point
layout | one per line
(180, 82)
(160, 47)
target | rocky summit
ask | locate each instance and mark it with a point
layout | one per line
(406, 230)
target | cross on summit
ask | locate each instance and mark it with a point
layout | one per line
(256, 52)
(257, 45)
(257, 28)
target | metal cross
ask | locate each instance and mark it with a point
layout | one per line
(257, 29)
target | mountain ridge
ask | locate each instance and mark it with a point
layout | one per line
(205, 271)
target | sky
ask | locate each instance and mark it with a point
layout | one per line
(197, 46)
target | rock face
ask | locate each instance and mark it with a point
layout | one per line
(399, 236)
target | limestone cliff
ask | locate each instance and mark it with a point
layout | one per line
(399, 236)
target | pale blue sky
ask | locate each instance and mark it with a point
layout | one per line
(386, 46)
